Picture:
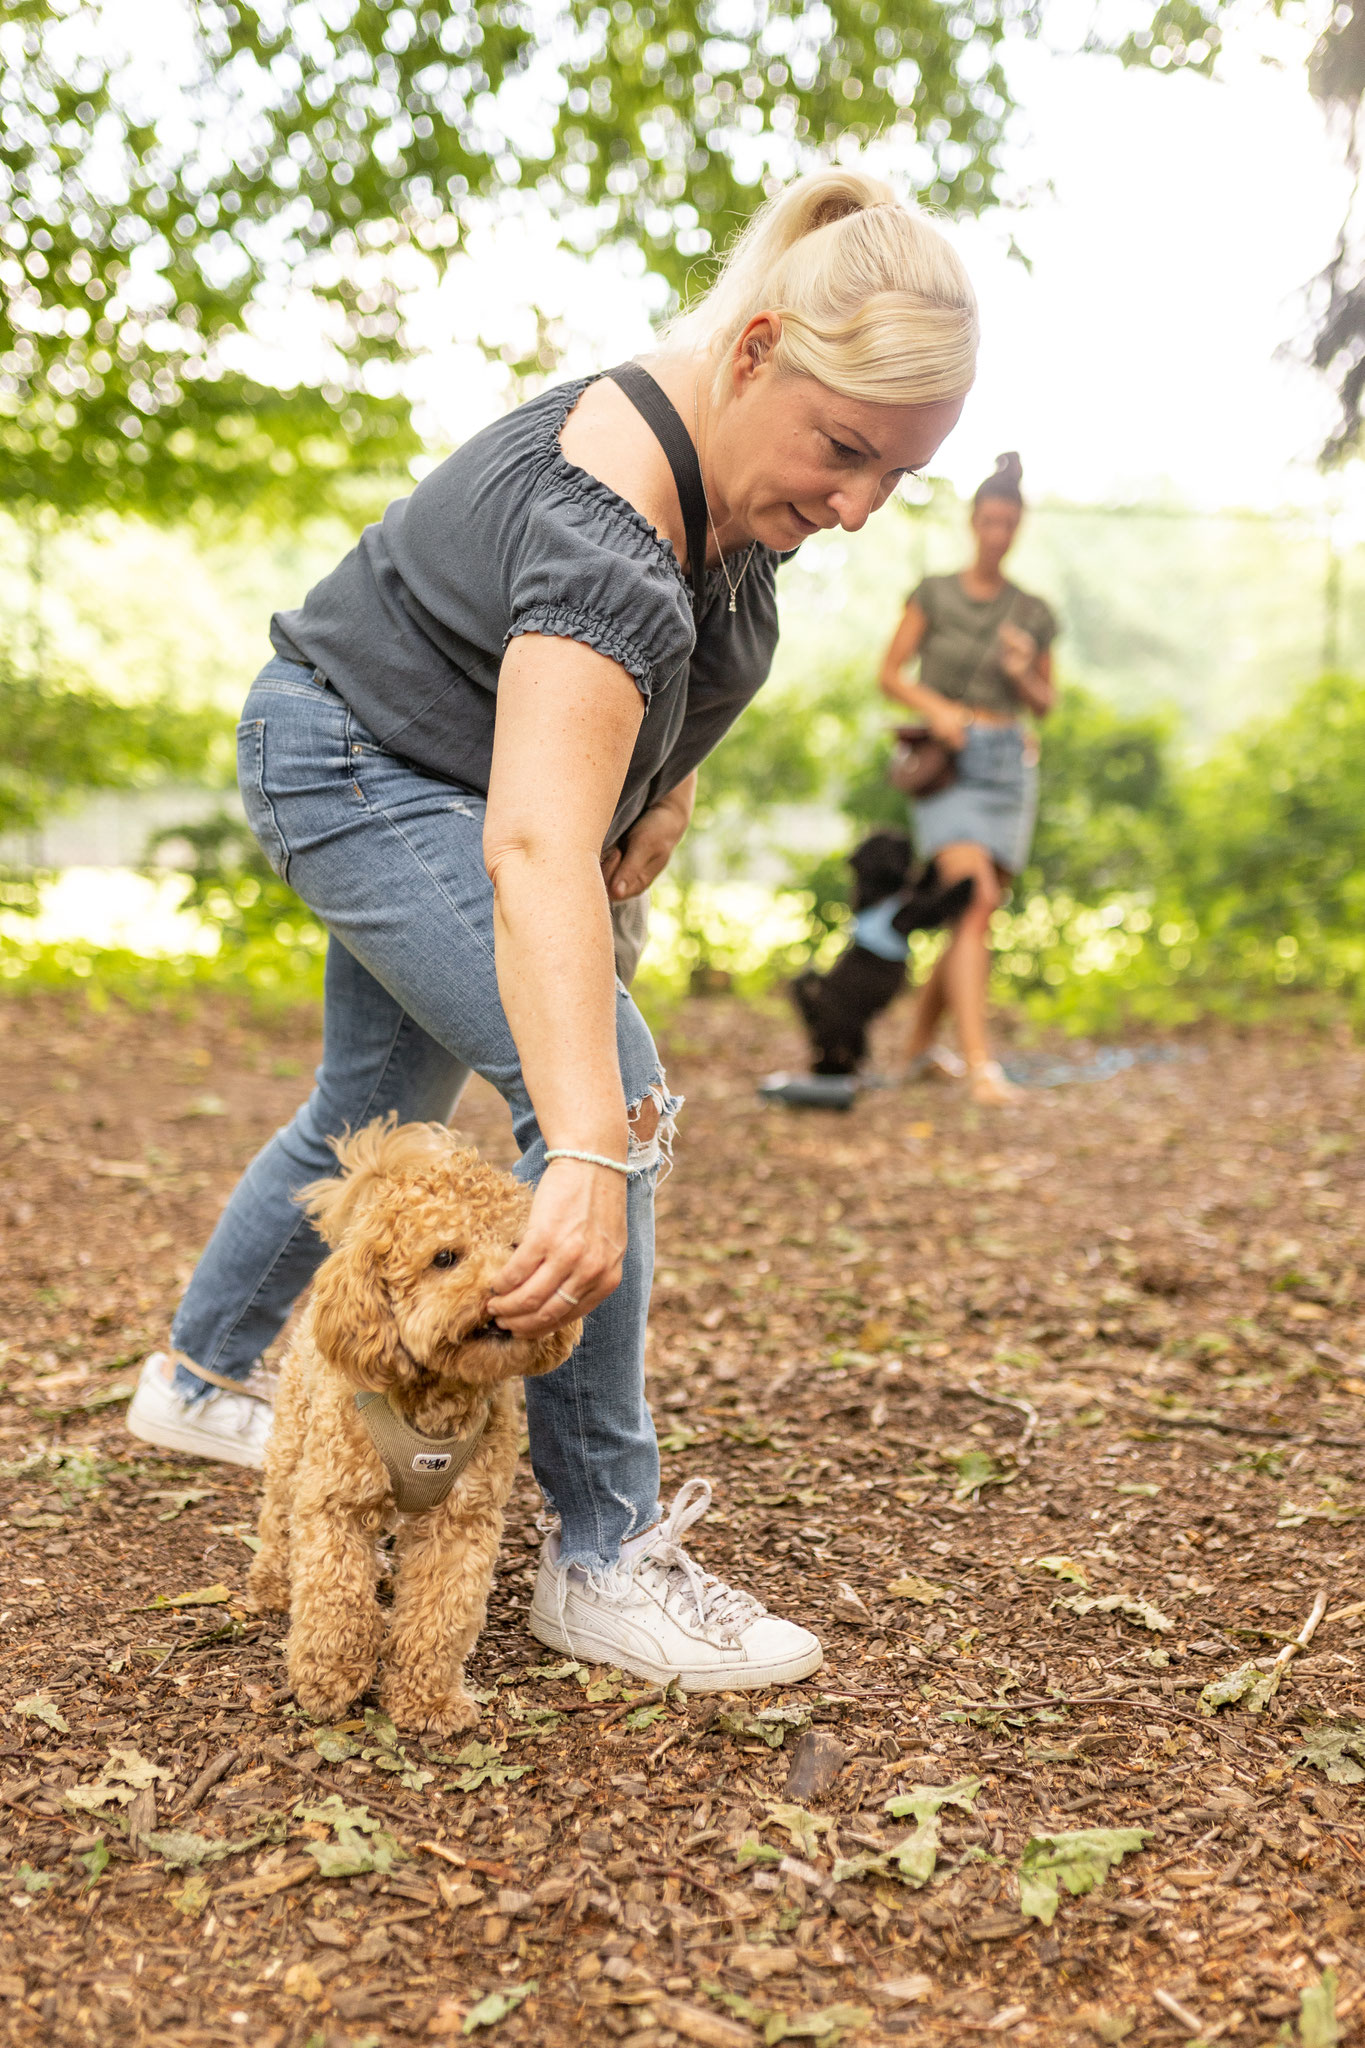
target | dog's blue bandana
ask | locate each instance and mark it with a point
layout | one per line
(874, 932)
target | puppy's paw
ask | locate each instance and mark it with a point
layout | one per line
(267, 1589)
(325, 1687)
(414, 1705)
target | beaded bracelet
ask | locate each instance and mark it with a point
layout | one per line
(589, 1159)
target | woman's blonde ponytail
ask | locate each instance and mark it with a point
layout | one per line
(872, 300)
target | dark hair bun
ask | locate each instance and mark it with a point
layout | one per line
(1004, 481)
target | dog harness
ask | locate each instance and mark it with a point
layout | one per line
(421, 1469)
(875, 933)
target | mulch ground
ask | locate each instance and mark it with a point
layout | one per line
(947, 1370)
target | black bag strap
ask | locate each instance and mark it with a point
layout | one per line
(661, 416)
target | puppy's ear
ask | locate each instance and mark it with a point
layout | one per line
(353, 1323)
(382, 1150)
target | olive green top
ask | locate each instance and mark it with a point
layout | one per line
(958, 654)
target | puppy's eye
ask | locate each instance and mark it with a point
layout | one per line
(446, 1258)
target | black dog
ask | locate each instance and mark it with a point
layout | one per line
(838, 1007)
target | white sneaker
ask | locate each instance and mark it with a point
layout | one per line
(230, 1427)
(659, 1616)
(938, 1063)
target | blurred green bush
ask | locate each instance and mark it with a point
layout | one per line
(1159, 891)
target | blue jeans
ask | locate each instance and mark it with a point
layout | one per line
(391, 861)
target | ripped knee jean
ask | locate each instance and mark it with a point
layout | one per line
(391, 861)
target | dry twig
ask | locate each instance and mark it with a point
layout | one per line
(1181, 2014)
(1300, 1642)
(975, 1390)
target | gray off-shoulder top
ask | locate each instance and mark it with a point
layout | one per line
(507, 537)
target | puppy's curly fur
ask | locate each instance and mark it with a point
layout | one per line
(385, 1315)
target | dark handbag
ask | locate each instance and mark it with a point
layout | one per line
(922, 764)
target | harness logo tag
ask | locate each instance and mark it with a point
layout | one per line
(431, 1461)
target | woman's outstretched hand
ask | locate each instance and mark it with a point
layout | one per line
(570, 1255)
(947, 721)
(1018, 651)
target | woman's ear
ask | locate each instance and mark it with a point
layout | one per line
(755, 345)
(353, 1323)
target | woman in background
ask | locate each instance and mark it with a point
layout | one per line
(984, 662)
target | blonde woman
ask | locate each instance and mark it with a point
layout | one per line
(983, 647)
(478, 733)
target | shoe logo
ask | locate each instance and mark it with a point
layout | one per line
(431, 1461)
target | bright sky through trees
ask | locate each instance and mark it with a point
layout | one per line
(1140, 356)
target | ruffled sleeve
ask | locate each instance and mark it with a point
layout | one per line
(590, 568)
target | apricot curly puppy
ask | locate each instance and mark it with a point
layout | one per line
(420, 1226)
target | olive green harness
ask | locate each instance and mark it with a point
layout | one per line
(421, 1469)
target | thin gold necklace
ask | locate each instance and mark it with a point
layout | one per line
(732, 587)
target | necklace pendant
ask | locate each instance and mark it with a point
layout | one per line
(732, 600)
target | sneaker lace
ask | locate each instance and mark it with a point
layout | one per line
(239, 1412)
(718, 1606)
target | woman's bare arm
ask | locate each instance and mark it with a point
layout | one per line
(1036, 685)
(949, 721)
(566, 725)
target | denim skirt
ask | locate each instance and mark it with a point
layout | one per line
(993, 803)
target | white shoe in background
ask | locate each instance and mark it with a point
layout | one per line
(937, 1063)
(230, 1427)
(660, 1616)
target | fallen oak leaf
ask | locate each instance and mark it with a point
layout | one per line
(769, 1724)
(976, 1469)
(1336, 1748)
(180, 1499)
(334, 1747)
(1318, 2012)
(913, 1859)
(182, 1848)
(1248, 1685)
(484, 1766)
(1061, 1568)
(192, 1896)
(801, 1827)
(495, 2005)
(912, 1587)
(1143, 1612)
(1080, 1861)
(37, 1707)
